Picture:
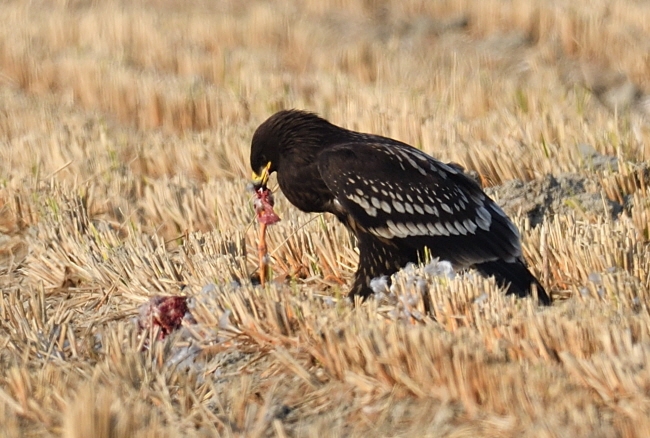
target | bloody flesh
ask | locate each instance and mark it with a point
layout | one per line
(263, 204)
(164, 312)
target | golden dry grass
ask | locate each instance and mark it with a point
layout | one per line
(124, 135)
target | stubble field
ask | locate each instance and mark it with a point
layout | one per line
(124, 138)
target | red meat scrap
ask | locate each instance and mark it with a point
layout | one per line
(263, 203)
(164, 312)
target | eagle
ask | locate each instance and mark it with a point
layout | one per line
(399, 202)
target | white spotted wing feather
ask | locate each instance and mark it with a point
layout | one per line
(399, 193)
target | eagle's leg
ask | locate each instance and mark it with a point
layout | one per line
(377, 258)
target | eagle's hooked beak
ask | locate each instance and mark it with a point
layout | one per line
(259, 181)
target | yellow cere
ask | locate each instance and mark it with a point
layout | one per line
(263, 178)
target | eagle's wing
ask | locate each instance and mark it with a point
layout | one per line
(396, 192)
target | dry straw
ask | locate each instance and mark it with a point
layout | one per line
(124, 137)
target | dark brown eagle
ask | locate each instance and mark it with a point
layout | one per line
(396, 200)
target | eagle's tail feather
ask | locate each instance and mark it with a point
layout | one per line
(516, 277)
